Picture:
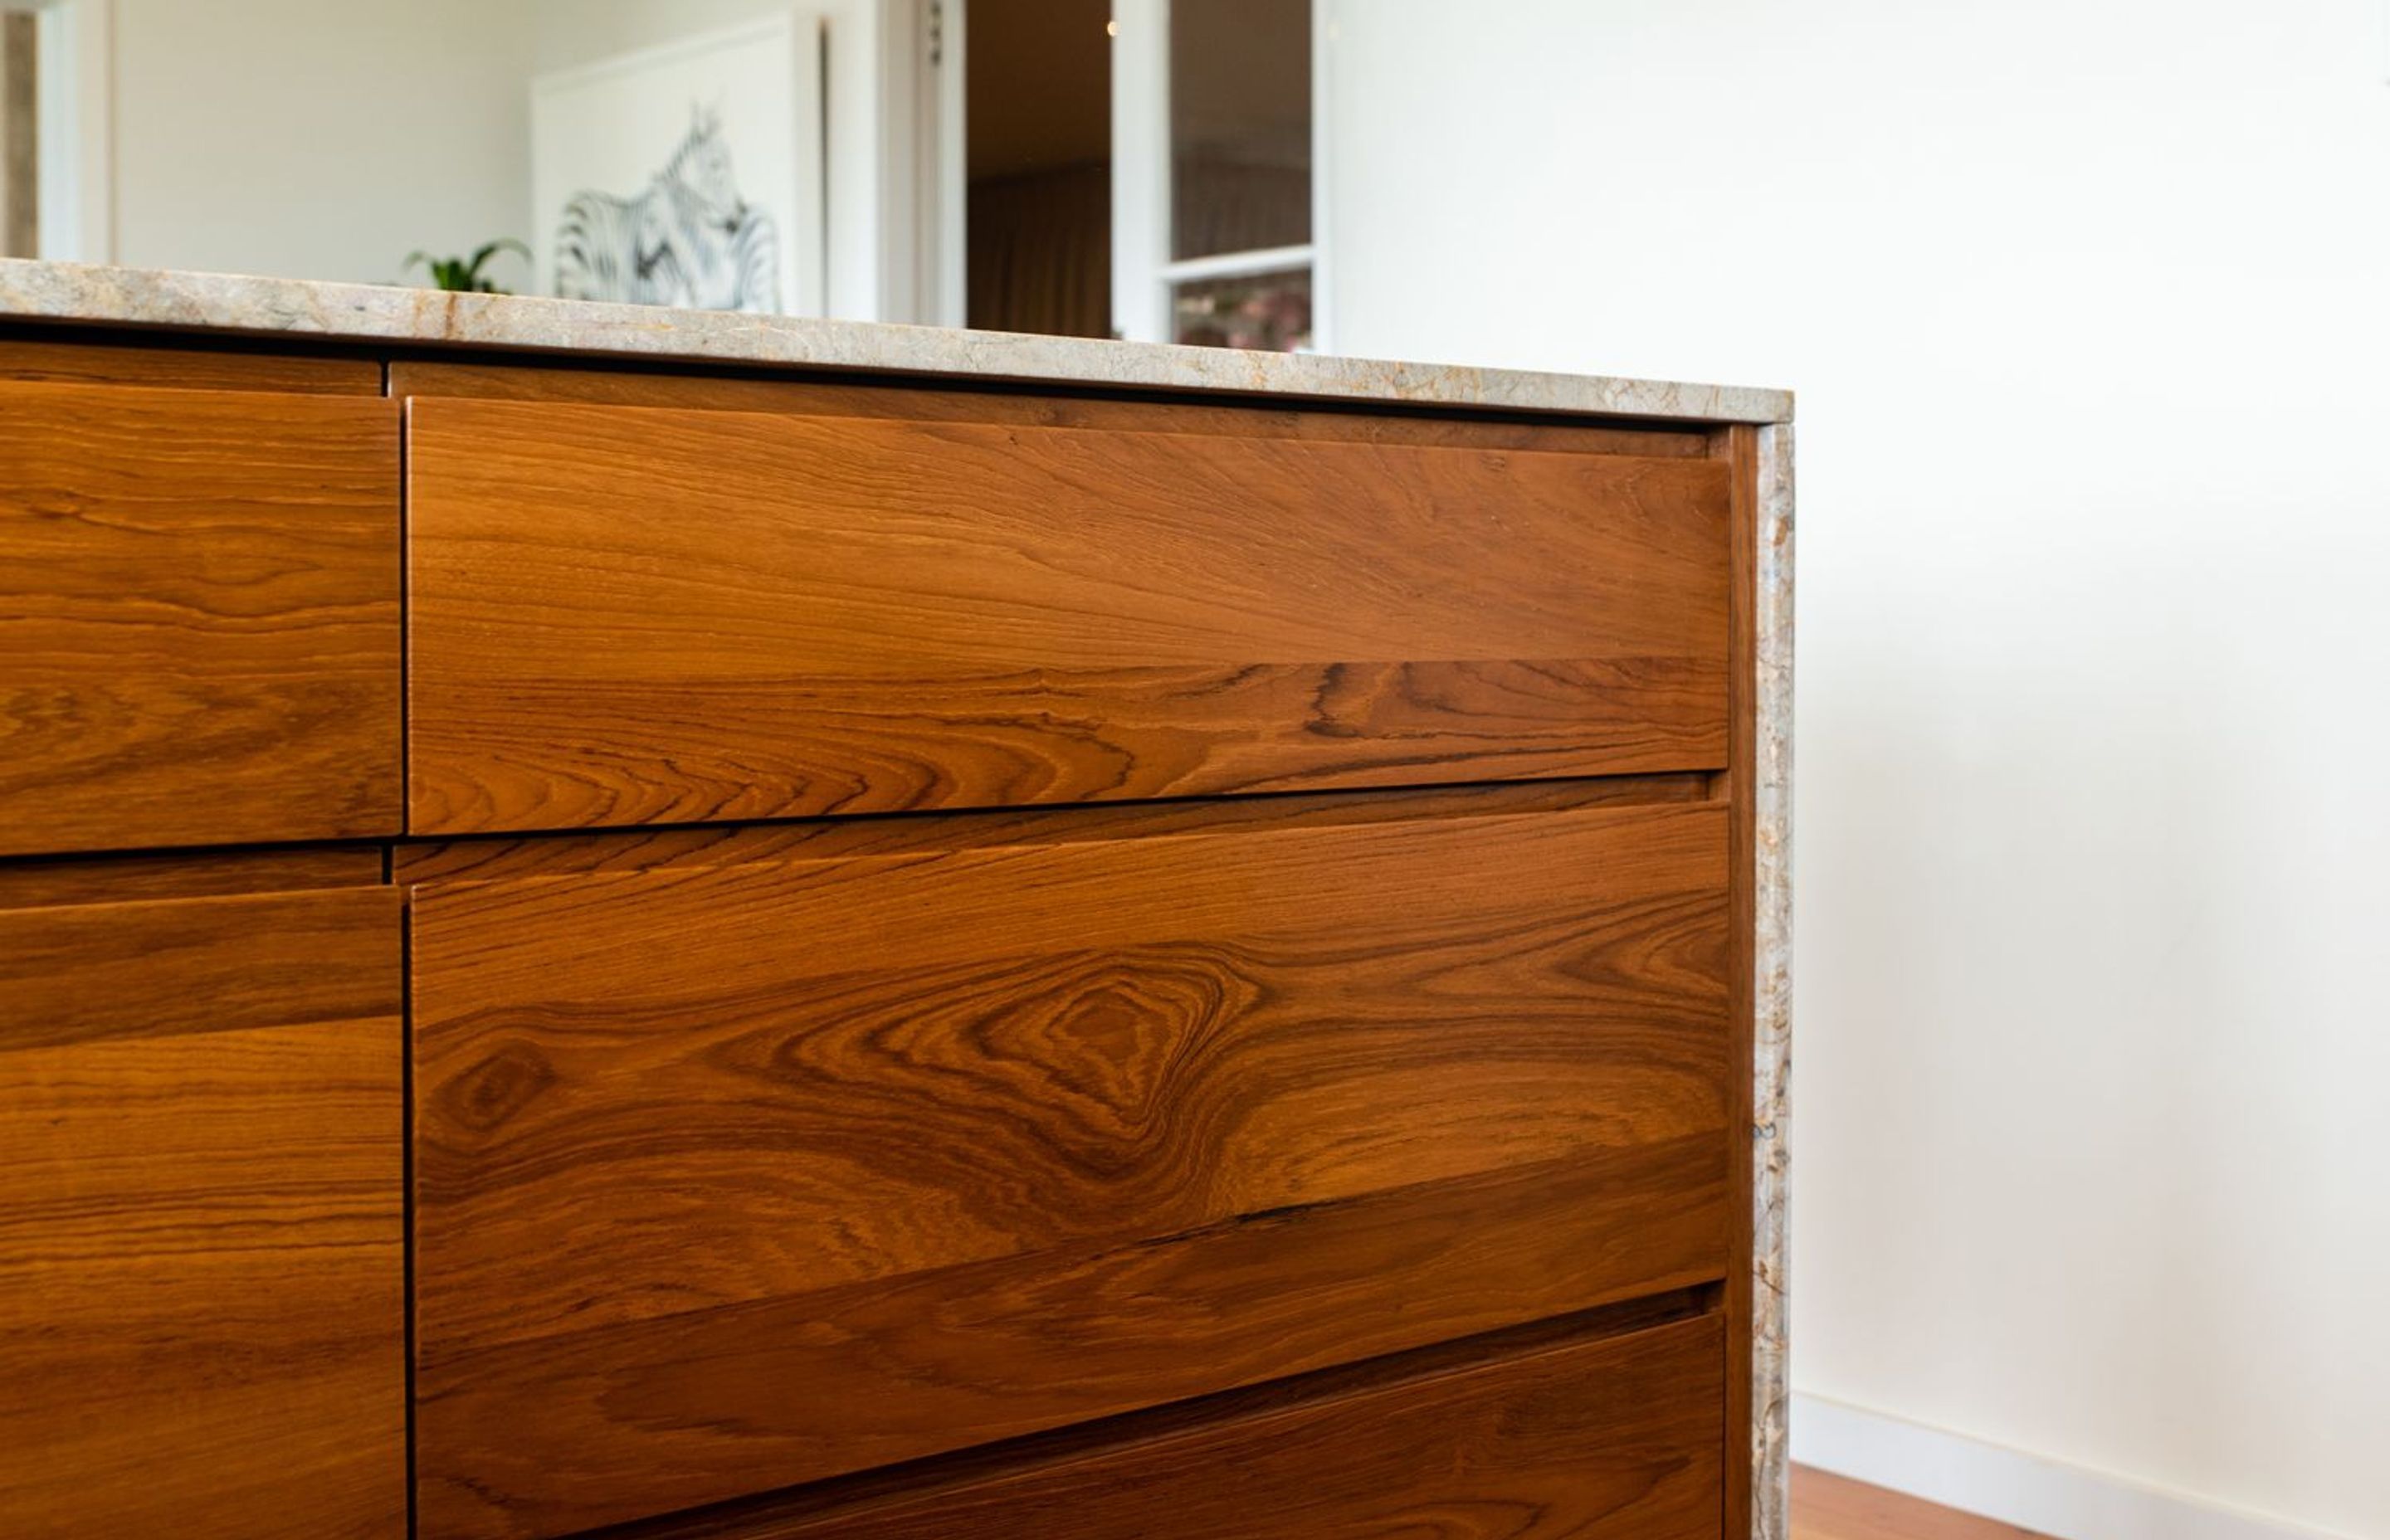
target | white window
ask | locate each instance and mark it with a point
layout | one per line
(1218, 227)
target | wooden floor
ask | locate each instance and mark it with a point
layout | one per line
(1829, 1507)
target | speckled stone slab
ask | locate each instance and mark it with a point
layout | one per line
(218, 303)
(1771, 1037)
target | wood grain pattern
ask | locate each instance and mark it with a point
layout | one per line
(200, 1232)
(730, 1178)
(556, 1434)
(1034, 407)
(200, 611)
(1611, 1439)
(948, 1058)
(869, 1489)
(1827, 1506)
(86, 360)
(488, 858)
(258, 960)
(32, 884)
(625, 615)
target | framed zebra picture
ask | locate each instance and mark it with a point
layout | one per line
(688, 175)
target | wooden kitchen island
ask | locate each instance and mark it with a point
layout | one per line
(679, 925)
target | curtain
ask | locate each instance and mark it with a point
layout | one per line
(1039, 255)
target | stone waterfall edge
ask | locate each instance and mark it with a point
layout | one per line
(1771, 1037)
(78, 294)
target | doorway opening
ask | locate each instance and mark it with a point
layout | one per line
(1039, 216)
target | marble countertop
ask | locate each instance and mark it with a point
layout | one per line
(222, 304)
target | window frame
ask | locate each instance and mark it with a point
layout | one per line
(1145, 276)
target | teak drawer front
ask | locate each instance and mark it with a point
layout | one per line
(1618, 1438)
(647, 614)
(198, 617)
(733, 1178)
(201, 1318)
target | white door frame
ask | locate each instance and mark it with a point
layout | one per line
(1144, 272)
(1140, 169)
(76, 68)
(1325, 15)
(948, 231)
(927, 163)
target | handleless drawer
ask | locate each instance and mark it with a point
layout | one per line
(1615, 1439)
(635, 614)
(735, 1177)
(199, 627)
(201, 1228)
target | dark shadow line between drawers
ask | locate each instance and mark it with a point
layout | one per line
(1263, 809)
(406, 610)
(757, 1514)
(236, 847)
(1667, 787)
(406, 925)
(120, 338)
(406, 1188)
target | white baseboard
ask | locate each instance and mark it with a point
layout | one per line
(2063, 1501)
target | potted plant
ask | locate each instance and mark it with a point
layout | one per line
(464, 275)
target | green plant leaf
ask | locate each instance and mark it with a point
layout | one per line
(463, 275)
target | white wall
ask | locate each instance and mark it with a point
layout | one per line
(326, 140)
(306, 139)
(2085, 301)
(869, 119)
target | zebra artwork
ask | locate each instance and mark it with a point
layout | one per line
(688, 240)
